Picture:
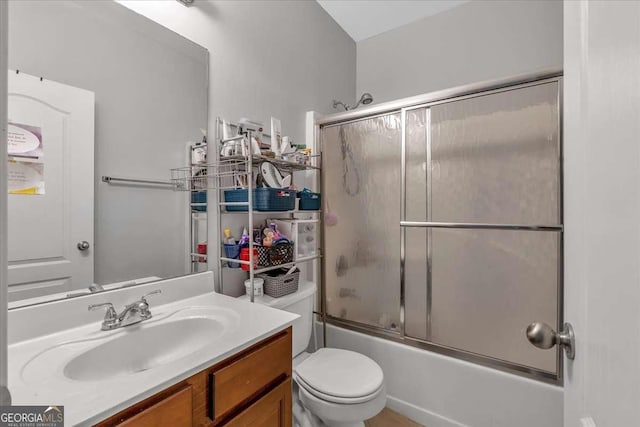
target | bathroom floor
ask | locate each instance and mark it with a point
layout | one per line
(389, 418)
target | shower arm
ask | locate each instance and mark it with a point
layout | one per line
(346, 107)
(337, 103)
(365, 99)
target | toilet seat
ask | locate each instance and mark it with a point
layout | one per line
(334, 399)
(340, 376)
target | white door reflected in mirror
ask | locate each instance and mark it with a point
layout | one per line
(50, 186)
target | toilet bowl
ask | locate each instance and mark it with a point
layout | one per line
(338, 388)
(332, 387)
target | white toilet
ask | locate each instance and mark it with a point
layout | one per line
(332, 387)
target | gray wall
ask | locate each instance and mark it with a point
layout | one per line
(268, 58)
(150, 87)
(480, 40)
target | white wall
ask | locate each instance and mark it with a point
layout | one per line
(267, 58)
(150, 87)
(478, 41)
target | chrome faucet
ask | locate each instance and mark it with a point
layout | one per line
(133, 313)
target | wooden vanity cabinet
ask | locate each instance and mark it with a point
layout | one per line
(274, 409)
(251, 388)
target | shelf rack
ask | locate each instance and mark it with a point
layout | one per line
(231, 172)
(188, 179)
(272, 267)
(227, 173)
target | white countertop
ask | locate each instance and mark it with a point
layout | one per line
(88, 402)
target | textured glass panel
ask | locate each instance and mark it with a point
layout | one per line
(416, 164)
(415, 267)
(495, 157)
(415, 283)
(488, 285)
(361, 169)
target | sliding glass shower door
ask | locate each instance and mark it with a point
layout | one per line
(449, 224)
(361, 188)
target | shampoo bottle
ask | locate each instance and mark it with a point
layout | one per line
(228, 238)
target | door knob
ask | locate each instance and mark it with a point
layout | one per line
(543, 336)
(83, 246)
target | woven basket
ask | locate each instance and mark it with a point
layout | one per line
(277, 286)
(275, 255)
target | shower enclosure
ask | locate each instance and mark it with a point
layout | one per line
(443, 221)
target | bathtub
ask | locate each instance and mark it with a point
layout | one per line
(441, 391)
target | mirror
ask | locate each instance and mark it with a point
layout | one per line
(96, 90)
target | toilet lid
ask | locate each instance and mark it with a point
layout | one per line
(340, 373)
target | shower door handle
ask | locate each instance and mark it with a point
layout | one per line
(543, 336)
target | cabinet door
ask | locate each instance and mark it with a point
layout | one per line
(248, 377)
(172, 411)
(273, 410)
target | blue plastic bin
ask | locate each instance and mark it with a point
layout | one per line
(232, 251)
(199, 197)
(264, 199)
(309, 201)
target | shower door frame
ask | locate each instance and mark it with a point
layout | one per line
(426, 101)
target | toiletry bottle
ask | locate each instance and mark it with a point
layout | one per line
(228, 238)
(268, 238)
(202, 249)
(257, 235)
(244, 239)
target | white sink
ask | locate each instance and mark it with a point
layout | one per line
(58, 353)
(133, 349)
(144, 349)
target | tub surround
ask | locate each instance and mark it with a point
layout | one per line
(38, 329)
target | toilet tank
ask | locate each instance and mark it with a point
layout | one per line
(301, 303)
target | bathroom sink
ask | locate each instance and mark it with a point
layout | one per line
(134, 349)
(143, 349)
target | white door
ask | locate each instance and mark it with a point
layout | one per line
(602, 211)
(45, 229)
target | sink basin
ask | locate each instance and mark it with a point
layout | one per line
(103, 356)
(143, 349)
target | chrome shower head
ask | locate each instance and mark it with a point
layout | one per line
(365, 99)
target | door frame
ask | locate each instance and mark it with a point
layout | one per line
(5, 397)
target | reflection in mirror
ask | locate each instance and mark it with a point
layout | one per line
(97, 90)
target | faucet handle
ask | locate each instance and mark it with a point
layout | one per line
(144, 297)
(110, 308)
(144, 306)
(110, 317)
